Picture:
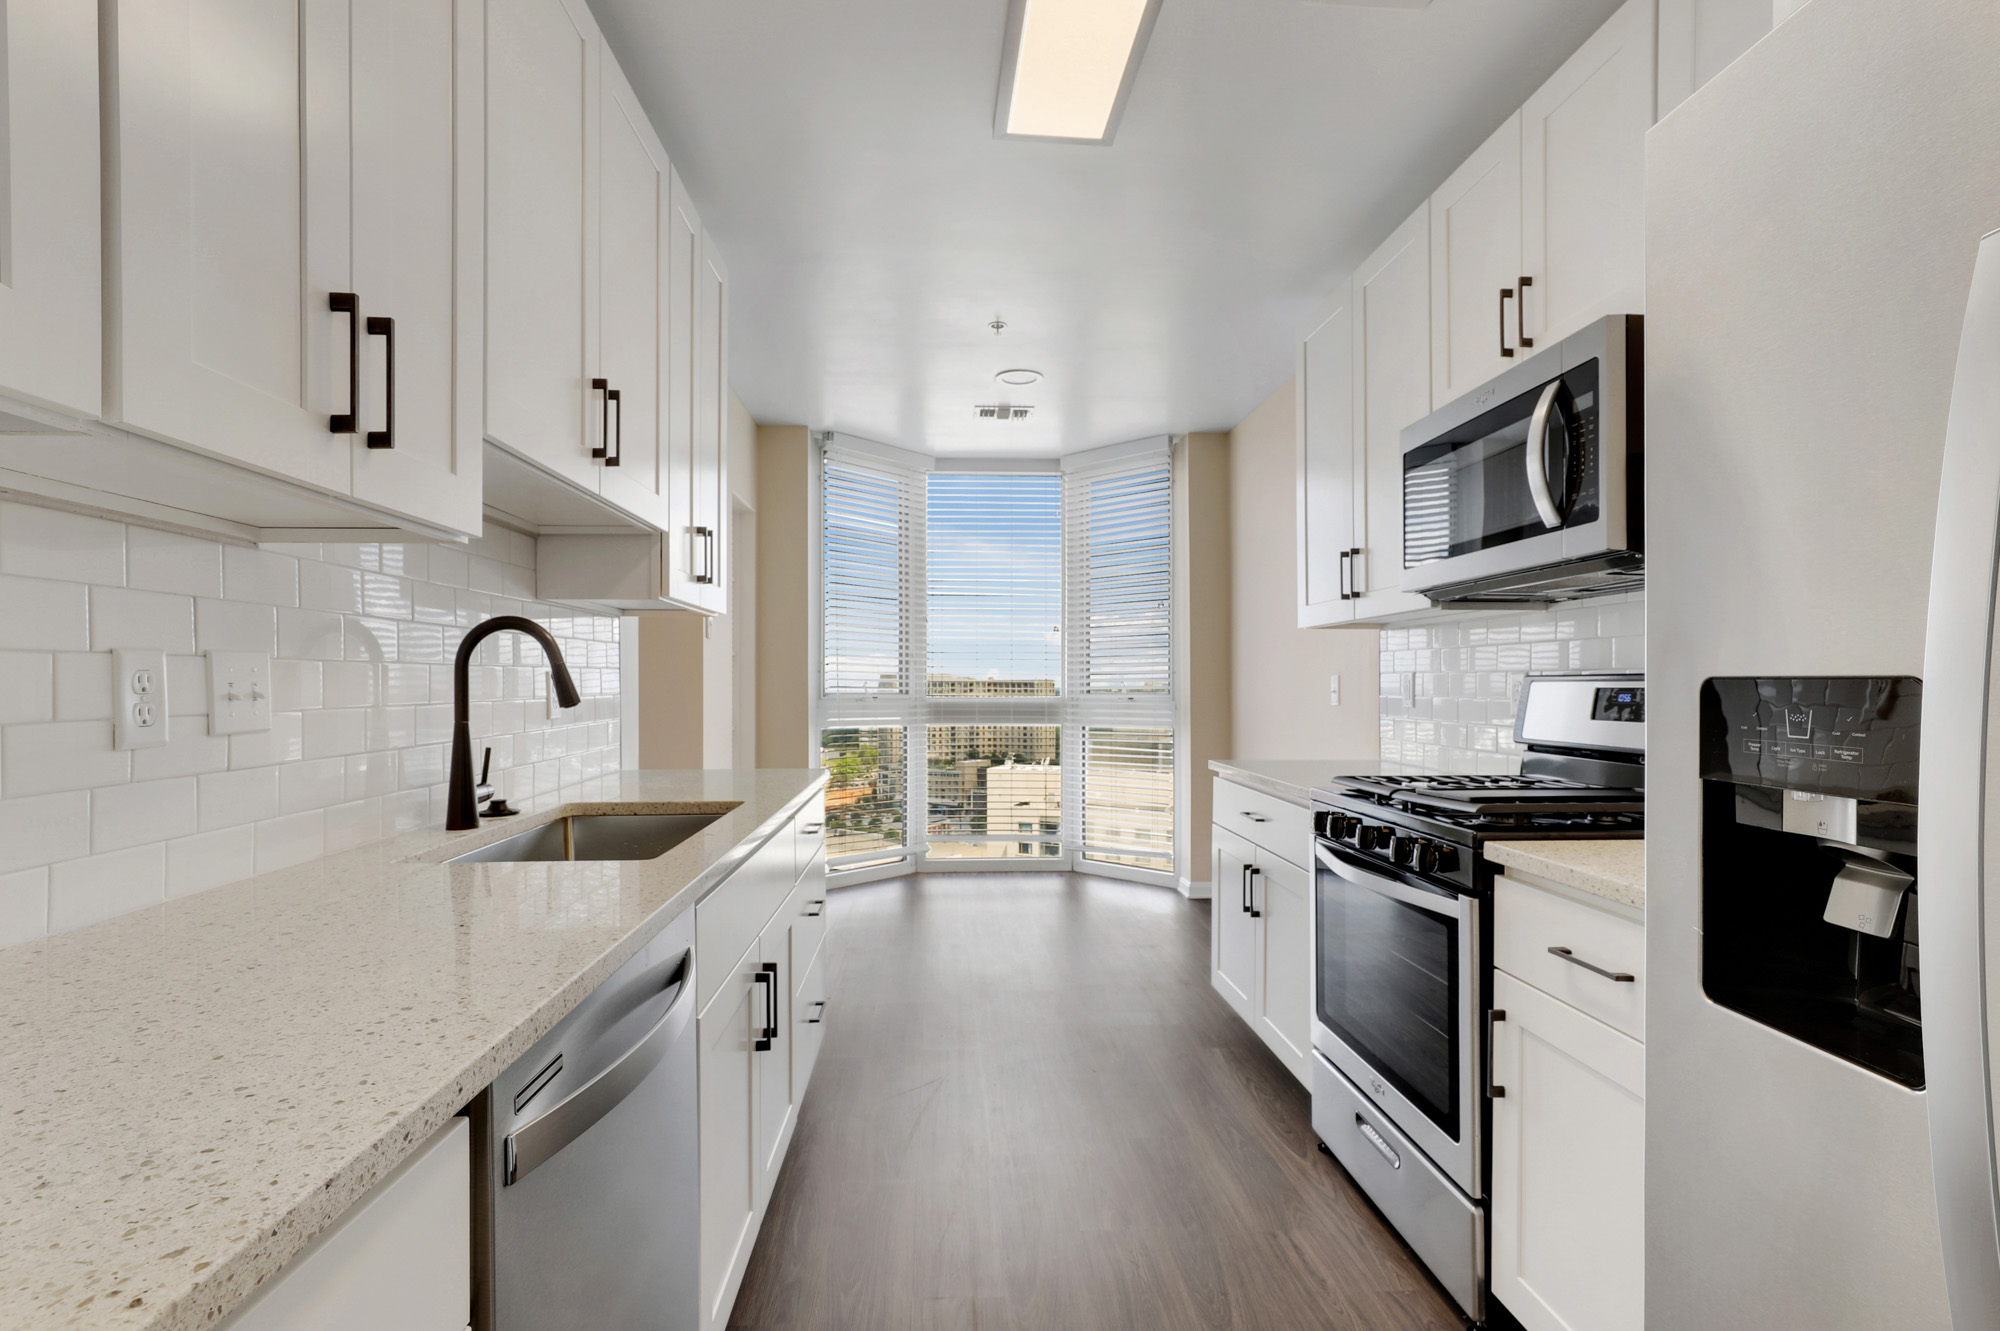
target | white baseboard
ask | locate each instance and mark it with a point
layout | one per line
(1194, 891)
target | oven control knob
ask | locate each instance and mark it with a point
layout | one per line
(1373, 837)
(1345, 827)
(1324, 824)
(1433, 858)
(1405, 849)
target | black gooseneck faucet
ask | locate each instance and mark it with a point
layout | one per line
(462, 804)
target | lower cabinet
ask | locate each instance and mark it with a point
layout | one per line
(759, 1034)
(1261, 943)
(400, 1259)
(1568, 1195)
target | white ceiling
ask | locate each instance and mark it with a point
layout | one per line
(843, 156)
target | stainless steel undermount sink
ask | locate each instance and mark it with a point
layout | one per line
(595, 836)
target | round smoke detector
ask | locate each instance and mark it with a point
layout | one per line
(1019, 378)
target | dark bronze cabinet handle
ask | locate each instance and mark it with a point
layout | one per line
(349, 304)
(1573, 959)
(603, 448)
(1354, 574)
(612, 398)
(382, 326)
(1493, 1092)
(1346, 575)
(1521, 337)
(767, 975)
(1506, 294)
(1255, 914)
(707, 539)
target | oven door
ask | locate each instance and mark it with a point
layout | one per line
(1396, 1003)
(1527, 472)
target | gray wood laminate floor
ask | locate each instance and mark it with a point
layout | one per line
(1031, 1111)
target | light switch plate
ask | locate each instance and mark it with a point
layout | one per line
(1333, 690)
(139, 698)
(239, 692)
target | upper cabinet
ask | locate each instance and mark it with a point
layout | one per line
(285, 242)
(51, 352)
(606, 374)
(1538, 233)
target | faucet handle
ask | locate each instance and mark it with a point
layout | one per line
(483, 791)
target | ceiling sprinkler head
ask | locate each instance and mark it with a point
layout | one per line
(998, 326)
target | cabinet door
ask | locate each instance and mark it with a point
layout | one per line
(1475, 256)
(775, 1100)
(542, 64)
(1283, 894)
(1233, 948)
(808, 1020)
(1583, 180)
(728, 1029)
(51, 251)
(1392, 388)
(230, 228)
(1568, 1166)
(632, 224)
(711, 428)
(683, 283)
(1326, 513)
(414, 123)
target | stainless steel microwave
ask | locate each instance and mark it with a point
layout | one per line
(1529, 488)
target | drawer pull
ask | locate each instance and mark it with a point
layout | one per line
(1255, 817)
(1375, 1140)
(819, 1012)
(820, 904)
(1573, 959)
(811, 829)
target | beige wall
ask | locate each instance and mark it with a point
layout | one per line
(1279, 672)
(1202, 586)
(784, 610)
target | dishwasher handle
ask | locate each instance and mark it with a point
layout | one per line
(537, 1140)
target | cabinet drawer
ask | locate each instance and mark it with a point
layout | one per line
(808, 1022)
(728, 920)
(809, 835)
(1271, 824)
(1527, 922)
(808, 906)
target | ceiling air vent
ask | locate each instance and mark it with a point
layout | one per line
(1003, 412)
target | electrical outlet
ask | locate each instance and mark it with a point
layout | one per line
(1333, 691)
(139, 697)
(239, 692)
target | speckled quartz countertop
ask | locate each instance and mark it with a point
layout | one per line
(189, 1093)
(1614, 870)
(1290, 779)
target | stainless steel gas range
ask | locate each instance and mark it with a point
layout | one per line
(1402, 947)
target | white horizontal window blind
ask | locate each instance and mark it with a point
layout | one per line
(869, 563)
(1119, 656)
(993, 547)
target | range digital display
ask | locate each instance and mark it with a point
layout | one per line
(1624, 703)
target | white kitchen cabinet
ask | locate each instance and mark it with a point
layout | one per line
(543, 119)
(1583, 180)
(1568, 1195)
(1260, 947)
(683, 282)
(51, 348)
(399, 1259)
(759, 1030)
(1327, 501)
(240, 224)
(1476, 266)
(697, 431)
(1392, 389)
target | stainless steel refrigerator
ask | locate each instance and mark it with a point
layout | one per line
(1813, 215)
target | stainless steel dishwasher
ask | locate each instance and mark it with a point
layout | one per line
(585, 1210)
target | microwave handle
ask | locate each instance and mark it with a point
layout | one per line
(1537, 457)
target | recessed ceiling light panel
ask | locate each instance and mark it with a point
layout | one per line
(1068, 67)
(1019, 378)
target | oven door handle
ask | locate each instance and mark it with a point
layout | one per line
(1538, 456)
(1437, 903)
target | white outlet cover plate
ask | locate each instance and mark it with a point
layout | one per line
(239, 692)
(138, 697)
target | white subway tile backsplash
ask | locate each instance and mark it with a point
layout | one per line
(210, 859)
(283, 842)
(123, 617)
(165, 561)
(50, 543)
(27, 687)
(259, 575)
(24, 906)
(88, 890)
(142, 811)
(1449, 689)
(40, 615)
(362, 636)
(235, 626)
